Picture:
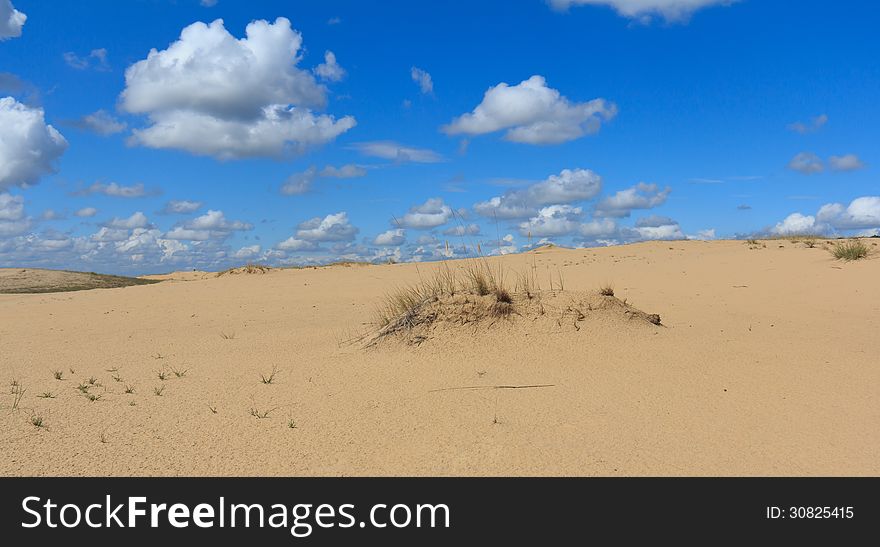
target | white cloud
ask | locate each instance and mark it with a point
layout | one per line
(299, 183)
(181, 207)
(212, 94)
(568, 186)
(100, 122)
(330, 70)
(11, 207)
(114, 189)
(208, 3)
(532, 113)
(247, 252)
(463, 230)
(29, 148)
(847, 162)
(297, 245)
(643, 10)
(391, 238)
(795, 223)
(96, 59)
(349, 171)
(391, 150)
(136, 220)
(662, 232)
(335, 227)
(806, 163)
(12, 218)
(640, 196)
(863, 212)
(603, 227)
(212, 225)
(812, 126)
(431, 214)
(11, 20)
(421, 77)
(86, 212)
(554, 220)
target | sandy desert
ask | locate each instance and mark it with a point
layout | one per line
(765, 363)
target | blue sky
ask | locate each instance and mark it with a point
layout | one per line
(591, 122)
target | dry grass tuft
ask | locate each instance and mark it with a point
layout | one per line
(606, 290)
(850, 250)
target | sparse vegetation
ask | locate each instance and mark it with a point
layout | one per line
(158, 391)
(46, 395)
(129, 389)
(291, 424)
(179, 373)
(213, 409)
(18, 392)
(37, 421)
(93, 397)
(606, 290)
(270, 379)
(227, 335)
(58, 374)
(850, 250)
(162, 374)
(83, 387)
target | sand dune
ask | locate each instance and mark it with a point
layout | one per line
(765, 363)
(35, 280)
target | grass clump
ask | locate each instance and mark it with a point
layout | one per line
(270, 378)
(606, 290)
(158, 391)
(850, 250)
(58, 374)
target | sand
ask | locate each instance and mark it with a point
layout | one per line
(766, 363)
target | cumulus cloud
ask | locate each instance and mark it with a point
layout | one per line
(643, 10)
(568, 186)
(212, 225)
(334, 227)
(208, 3)
(806, 163)
(114, 189)
(136, 220)
(391, 150)
(862, 212)
(640, 196)
(554, 220)
(847, 162)
(11, 20)
(298, 245)
(463, 230)
(299, 183)
(531, 112)
(248, 252)
(330, 70)
(349, 171)
(812, 126)
(421, 77)
(181, 207)
(431, 214)
(390, 238)
(86, 212)
(598, 228)
(100, 122)
(795, 223)
(96, 59)
(29, 148)
(12, 218)
(211, 94)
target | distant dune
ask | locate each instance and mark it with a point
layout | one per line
(35, 280)
(662, 358)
